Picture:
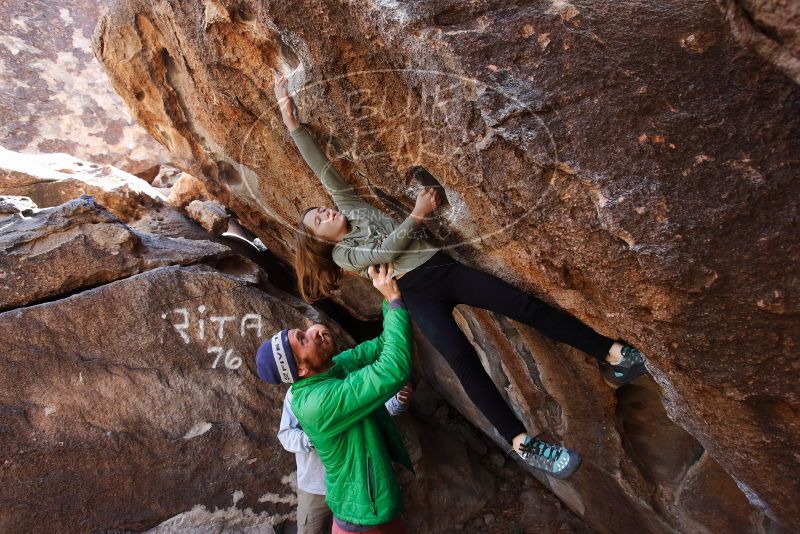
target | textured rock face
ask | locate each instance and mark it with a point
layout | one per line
(118, 399)
(49, 180)
(12, 205)
(185, 190)
(771, 27)
(201, 521)
(52, 179)
(633, 164)
(79, 245)
(54, 95)
(209, 214)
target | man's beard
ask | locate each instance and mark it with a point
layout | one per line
(321, 365)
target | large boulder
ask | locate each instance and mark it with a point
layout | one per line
(186, 190)
(209, 214)
(50, 180)
(631, 163)
(135, 401)
(54, 95)
(77, 245)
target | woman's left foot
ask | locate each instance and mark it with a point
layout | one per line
(627, 370)
(554, 460)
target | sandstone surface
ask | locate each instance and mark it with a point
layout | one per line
(185, 190)
(52, 179)
(209, 214)
(49, 180)
(116, 398)
(631, 163)
(55, 96)
(770, 27)
(78, 245)
(198, 520)
(11, 205)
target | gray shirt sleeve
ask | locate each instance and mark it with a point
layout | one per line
(395, 407)
(290, 434)
(343, 195)
(362, 256)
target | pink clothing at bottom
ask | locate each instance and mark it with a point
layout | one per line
(393, 527)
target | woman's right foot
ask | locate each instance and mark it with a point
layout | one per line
(627, 370)
(556, 461)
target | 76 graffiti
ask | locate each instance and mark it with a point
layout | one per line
(230, 361)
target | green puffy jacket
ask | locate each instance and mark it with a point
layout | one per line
(342, 412)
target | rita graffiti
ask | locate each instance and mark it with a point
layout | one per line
(201, 326)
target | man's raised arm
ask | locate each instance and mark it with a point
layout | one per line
(365, 389)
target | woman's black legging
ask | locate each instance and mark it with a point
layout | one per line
(433, 289)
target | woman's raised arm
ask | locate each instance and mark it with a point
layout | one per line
(342, 194)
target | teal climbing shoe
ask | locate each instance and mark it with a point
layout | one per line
(629, 369)
(556, 461)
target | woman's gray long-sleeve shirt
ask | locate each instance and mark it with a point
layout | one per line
(374, 237)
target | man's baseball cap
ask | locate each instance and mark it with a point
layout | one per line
(275, 360)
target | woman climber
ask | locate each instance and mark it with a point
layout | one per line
(357, 235)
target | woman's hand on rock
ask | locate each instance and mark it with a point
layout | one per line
(285, 102)
(428, 200)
